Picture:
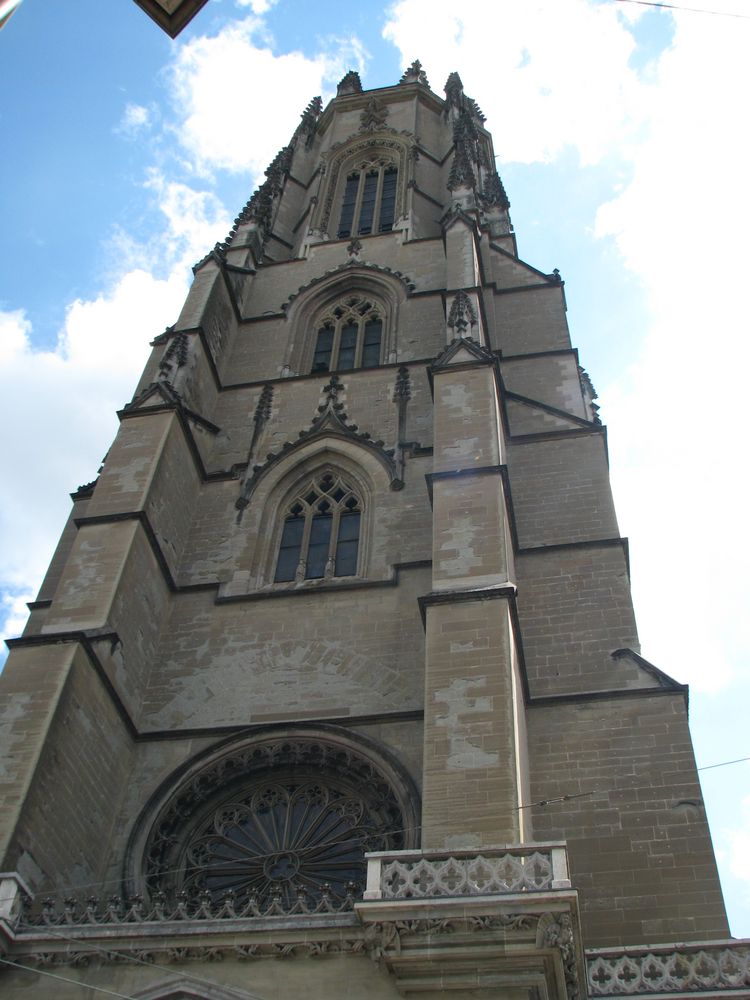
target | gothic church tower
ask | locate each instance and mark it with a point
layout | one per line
(333, 684)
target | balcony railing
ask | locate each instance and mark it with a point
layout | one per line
(92, 911)
(492, 871)
(687, 969)
(397, 875)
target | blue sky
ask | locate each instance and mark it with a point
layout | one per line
(126, 156)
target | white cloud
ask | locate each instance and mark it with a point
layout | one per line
(62, 403)
(738, 840)
(678, 416)
(65, 399)
(236, 99)
(559, 76)
(13, 612)
(551, 74)
(195, 219)
(257, 6)
(134, 118)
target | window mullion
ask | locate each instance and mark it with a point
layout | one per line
(336, 345)
(360, 343)
(358, 203)
(302, 568)
(333, 542)
(378, 200)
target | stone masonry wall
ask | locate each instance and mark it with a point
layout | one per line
(348, 651)
(561, 491)
(575, 609)
(63, 836)
(640, 851)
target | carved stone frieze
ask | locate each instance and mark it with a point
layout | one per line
(79, 955)
(555, 930)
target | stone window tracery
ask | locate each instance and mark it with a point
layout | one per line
(291, 833)
(368, 203)
(349, 335)
(274, 819)
(320, 536)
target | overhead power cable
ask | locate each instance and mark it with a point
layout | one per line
(724, 763)
(559, 798)
(691, 10)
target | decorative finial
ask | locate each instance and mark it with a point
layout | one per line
(349, 84)
(454, 89)
(415, 74)
(494, 192)
(461, 315)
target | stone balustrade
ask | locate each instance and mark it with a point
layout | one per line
(492, 871)
(686, 969)
(182, 907)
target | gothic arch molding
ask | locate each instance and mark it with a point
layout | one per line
(382, 144)
(328, 434)
(364, 463)
(185, 988)
(354, 786)
(386, 287)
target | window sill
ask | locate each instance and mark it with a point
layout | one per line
(229, 592)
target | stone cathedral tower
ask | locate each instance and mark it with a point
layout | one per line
(350, 584)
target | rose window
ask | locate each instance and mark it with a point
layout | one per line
(287, 835)
(298, 826)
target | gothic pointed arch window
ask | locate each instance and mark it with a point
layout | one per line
(321, 530)
(349, 334)
(368, 201)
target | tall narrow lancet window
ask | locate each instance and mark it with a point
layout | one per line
(388, 200)
(369, 201)
(349, 335)
(320, 537)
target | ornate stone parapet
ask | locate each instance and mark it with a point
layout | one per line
(476, 920)
(161, 909)
(713, 968)
(508, 869)
(527, 942)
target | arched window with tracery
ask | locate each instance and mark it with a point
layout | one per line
(368, 204)
(349, 335)
(272, 818)
(320, 536)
